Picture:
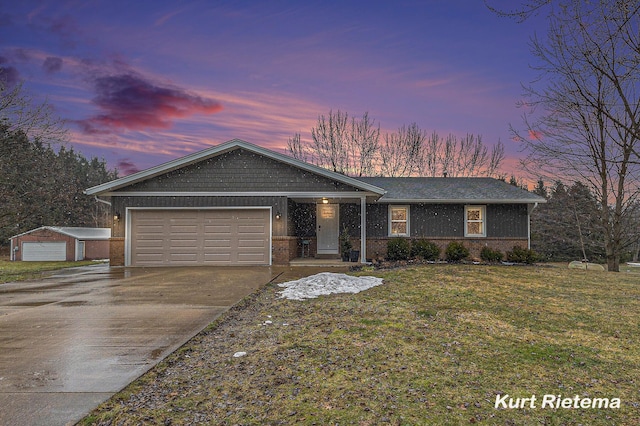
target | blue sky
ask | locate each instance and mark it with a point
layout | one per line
(143, 82)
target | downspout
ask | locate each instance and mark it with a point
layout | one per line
(529, 224)
(102, 201)
(363, 229)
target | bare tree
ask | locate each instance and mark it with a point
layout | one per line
(364, 143)
(18, 112)
(298, 150)
(461, 157)
(340, 143)
(402, 152)
(352, 146)
(584, 125)
(521, 13)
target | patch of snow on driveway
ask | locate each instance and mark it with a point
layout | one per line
(326, 283)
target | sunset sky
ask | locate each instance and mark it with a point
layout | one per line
(144, 82)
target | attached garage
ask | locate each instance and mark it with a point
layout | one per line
(209, 237)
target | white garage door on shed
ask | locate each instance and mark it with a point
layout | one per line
(200, 237)
(54, 251)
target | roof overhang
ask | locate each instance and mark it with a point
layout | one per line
(223, 148)
(68, 233)
(460, 201)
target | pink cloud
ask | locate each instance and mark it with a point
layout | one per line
(129, 102)
(126, 167)
(535, 134)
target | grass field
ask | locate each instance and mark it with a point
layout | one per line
(19, 271)
(433, 345)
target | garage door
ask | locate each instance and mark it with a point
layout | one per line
(44, 251)
(200, 237)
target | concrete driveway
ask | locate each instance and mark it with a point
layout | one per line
(70, 341)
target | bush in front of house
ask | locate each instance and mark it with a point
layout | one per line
(522, 255)
(456, 251)
(398, 249)
(425, 249)
(490, 255)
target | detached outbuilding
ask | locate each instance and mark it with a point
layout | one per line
(53, 243)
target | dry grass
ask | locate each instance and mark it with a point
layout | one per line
(434, 345)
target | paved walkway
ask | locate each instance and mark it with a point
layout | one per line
(70, 341)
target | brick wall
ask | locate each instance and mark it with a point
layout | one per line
(285, 249)
(116, 252)
(46, 235)
(96, 250)
(377, 247)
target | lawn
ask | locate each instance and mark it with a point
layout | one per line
(19, 271)
(433, 345)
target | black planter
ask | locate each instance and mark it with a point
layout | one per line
(345, 256)
(354, 255)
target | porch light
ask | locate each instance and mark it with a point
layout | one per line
(325, 201)
(278, 216)
(116, 217)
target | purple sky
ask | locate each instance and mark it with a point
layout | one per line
(143, 82)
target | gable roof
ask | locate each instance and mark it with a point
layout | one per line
(75, 232)
(222, 149)
(480, 190)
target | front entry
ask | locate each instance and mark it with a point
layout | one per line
(327, 228)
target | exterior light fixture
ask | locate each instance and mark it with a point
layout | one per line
(325, 201)
(278, 216)
(116, 217)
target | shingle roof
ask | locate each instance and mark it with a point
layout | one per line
(451, 190)
(76, 232)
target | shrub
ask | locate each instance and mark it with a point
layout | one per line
(490, 255)
(425, 249)
(522, 255)
(398, 249)
(456, 251)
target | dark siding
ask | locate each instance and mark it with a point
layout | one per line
(507, 220)
(279, 204)
(238, 171)
(447, 220)
(437, 220)
(303, 218)
(377, 217)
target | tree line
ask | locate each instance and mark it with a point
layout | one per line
(568, 226)
(355, 147)
(41, 180)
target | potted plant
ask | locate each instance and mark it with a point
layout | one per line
(354, 255)
(345, 244)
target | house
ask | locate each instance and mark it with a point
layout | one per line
(241, 204)
(53, 243)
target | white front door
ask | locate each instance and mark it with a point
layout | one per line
(327, 228)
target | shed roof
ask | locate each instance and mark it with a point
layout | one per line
(75, 232)
(451, 190)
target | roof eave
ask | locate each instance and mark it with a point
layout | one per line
(460, 201)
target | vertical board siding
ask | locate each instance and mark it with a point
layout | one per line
(447, 220)
(507, 220)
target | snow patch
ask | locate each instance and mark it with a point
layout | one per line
(326, 283)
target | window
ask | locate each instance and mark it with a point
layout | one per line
(474, 224)
(399, 221)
